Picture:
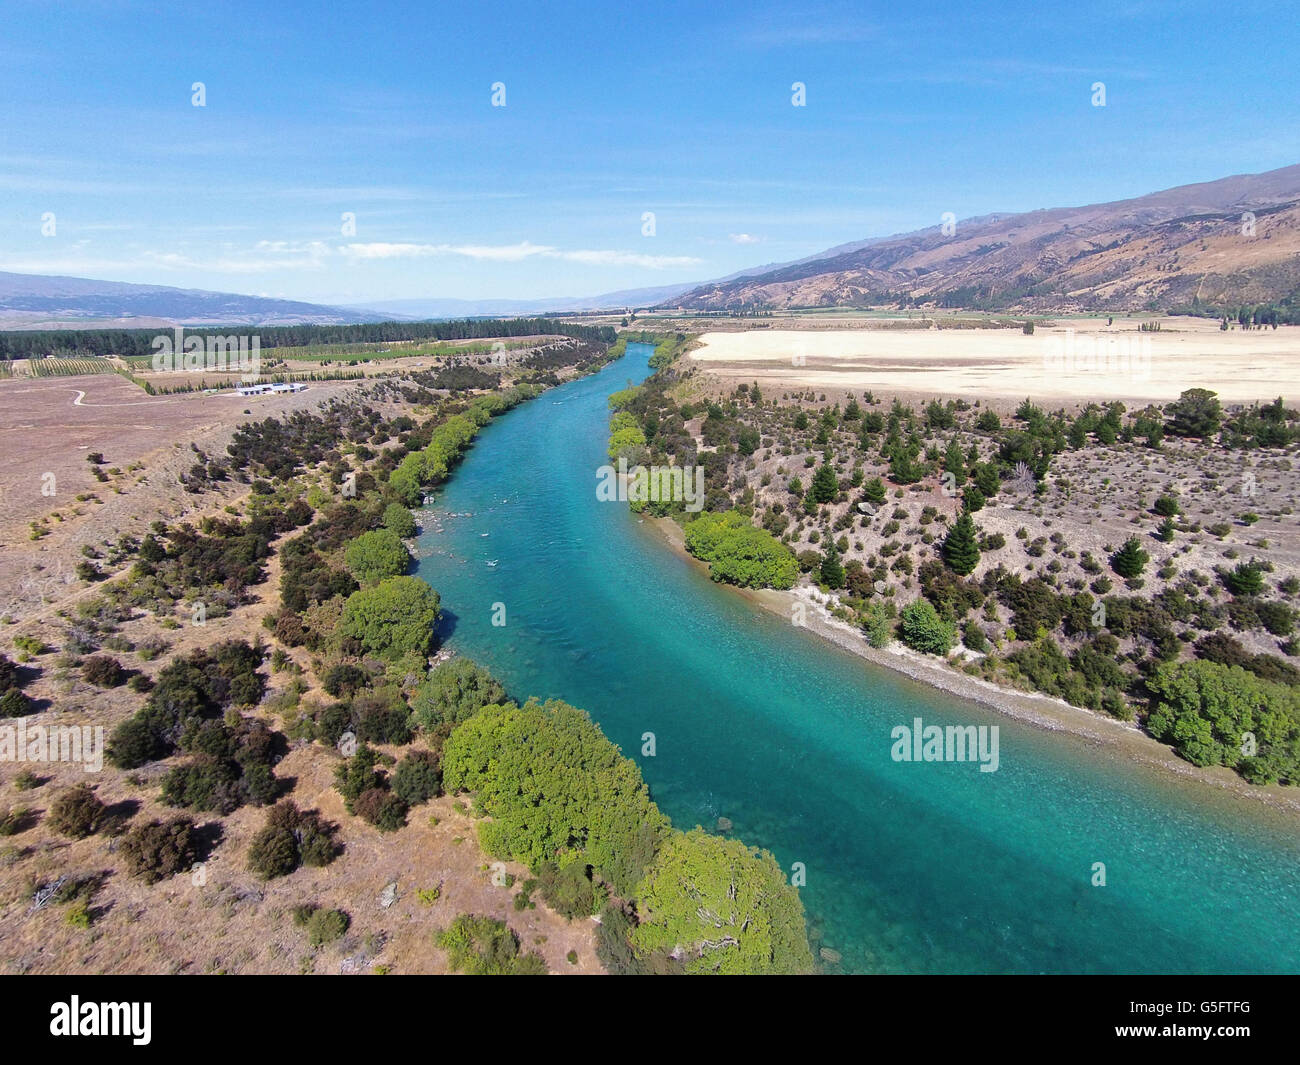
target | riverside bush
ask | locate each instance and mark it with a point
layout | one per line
(738, 553)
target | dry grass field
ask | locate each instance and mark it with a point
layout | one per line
(224, 919)
(1066, 362)
(49, 426)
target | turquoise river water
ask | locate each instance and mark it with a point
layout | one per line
(910, 867)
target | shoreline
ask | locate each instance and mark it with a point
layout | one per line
(1033, 708)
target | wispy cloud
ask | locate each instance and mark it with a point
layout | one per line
(267, 256)
(792, 27)
(519, 252)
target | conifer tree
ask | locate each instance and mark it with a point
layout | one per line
(961, 549)
(954, 462)
(825, 486)
(1130, 559)
(832, 572)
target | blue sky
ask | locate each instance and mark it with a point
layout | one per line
(612, 110)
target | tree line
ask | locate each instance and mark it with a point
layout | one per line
(71, 343)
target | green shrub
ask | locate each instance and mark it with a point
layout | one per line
(483, 946)
(923, 630)
(157, 850)
(381, 808)
(417, 778)
(291, 837)
(394, 617)
(453, 692)
(77, 812)
(103, 671)
(376, 555)
(972, 636)
(398, 520)
(325, 926)
(568, 889)
(738, 553)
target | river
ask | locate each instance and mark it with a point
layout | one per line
(931, 867)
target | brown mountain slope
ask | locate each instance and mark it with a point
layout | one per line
(1236, 240)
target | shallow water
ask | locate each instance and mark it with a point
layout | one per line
(910, 867)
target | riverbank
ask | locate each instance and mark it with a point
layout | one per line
(1041, 711)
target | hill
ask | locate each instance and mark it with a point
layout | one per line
(39, 301)
(1219, 243)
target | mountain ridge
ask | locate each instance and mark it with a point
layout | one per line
(1155, 251)
(60, 301)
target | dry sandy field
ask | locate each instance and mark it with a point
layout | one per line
(48, 427)
(1068, 361)
(222, 918)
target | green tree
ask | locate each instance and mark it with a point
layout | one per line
(832, 572)
(453, 692)
(393, 617)
(738, 553)
(954, 462)
(554, 787)
(961, 546)
(626, 442)
(1166, 530)
(1246, 578)
(922, 628)
(1215, 714)
(377, 554)
(1196, 412)
(985, 475)
(825, 487)
(723, 907)
(1130, 560)
(399, 520)
(877, 625)
(873, 491)
(903, 469)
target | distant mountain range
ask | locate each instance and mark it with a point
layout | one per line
(38, 301)
(609, 301)
(1236, 240)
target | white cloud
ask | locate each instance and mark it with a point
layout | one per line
(626, 258)
(745, 238)
(278, 255)
(514, 253)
